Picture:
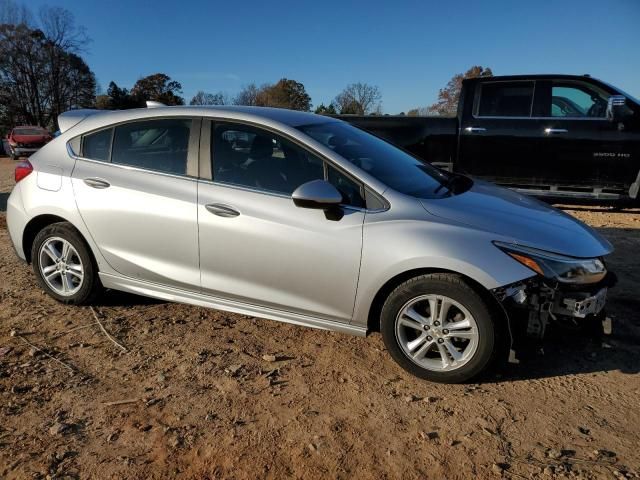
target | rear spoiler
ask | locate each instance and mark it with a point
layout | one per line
(71, 118)
(68, 119)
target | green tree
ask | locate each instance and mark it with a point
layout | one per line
(285, 93)
(158, 87)
(447, 104)
(324, 110)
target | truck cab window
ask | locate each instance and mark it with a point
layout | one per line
(506, 99)
(575, 100)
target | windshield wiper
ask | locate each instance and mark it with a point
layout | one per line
(451, 182)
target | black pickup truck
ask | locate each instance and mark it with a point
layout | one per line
(554, 136)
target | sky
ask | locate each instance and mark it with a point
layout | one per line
(409, 49)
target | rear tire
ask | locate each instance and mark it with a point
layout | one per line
(64, 265)
(439, 328)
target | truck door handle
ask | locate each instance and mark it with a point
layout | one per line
(555, 131)
(97, 183)
(475, 129)
(222, 210)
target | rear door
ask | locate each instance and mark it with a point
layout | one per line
(499, 140)
(135, 186)
(584, 148)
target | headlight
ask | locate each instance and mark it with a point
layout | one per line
(557, 267)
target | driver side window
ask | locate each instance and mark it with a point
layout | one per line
(258, 159)
(577, 101)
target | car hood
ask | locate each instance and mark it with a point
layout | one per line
(523, 219)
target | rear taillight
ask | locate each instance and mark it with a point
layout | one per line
(23, 169)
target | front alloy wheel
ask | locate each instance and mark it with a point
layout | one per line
(439, 328)
(437, 333)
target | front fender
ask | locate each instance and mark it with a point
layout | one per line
(393, 248)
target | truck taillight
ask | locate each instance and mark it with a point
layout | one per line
(23, 169)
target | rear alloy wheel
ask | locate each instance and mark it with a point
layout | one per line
(61, 266)
(64, 265)
(439, 328)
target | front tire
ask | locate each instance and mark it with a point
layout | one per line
(64, 265)
(438, 328)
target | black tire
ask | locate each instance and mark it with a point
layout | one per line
(90, 286)
(454, 287)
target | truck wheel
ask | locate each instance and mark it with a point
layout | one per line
(64, 265)
(438, 328)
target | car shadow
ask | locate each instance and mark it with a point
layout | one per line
(115, 298)
(4, 197)
(572, 353)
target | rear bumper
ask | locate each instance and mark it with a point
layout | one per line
(17, 220)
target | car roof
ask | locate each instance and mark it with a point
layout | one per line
(293, 118)
(264, 115)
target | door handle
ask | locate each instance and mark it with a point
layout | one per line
(222, 210)
(97, 183)
(555, 131)
(475, 129)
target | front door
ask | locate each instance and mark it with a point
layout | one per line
(135, 193)
(256, 246)
(584, 147)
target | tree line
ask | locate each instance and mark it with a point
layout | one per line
(43, 74)
(357, 98)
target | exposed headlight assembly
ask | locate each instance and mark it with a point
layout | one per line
(556, 267)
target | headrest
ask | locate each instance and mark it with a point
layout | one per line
(261, 147)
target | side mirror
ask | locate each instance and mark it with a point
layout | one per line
(317, 194)
(617, 108)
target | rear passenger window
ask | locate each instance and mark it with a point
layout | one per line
(96, 146)
(506, 99)
(160, 145)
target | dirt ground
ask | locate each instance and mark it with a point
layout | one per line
(197, 399)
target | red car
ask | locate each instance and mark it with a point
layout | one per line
(25, 140)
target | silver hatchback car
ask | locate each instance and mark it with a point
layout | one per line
(304, 219)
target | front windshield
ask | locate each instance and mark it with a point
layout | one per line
(380, 159)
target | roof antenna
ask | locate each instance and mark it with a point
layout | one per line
(154, 104)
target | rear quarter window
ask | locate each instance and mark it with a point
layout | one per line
(97, 146)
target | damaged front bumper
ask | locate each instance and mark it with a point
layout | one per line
(531, 305)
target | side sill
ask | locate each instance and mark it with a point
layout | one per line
(193, 298)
